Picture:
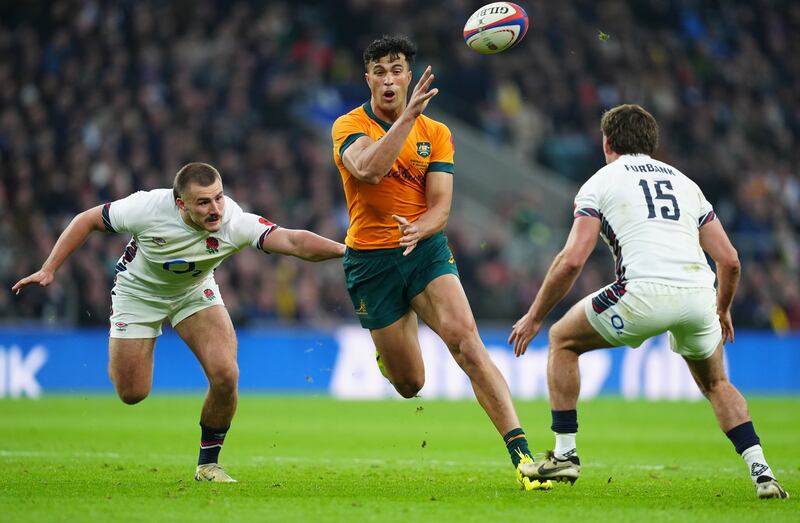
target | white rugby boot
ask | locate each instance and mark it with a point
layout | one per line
(212, 472)
(549, 467)
(769, 488)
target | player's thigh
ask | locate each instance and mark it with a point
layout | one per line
(698, 334)
(136, 317)
(575, 332)
(376, 287)
(630, 313)
(444, 307)
(210, 335)
(709, 371)
(130, 362)
(398, 346)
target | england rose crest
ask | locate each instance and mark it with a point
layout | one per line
(209, 294)
(212, 245)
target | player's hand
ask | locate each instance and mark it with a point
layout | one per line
(726, 323)
(420, 96)
(409, 234)
(41, 277)
(523, 332)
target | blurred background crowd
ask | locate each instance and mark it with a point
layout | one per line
(102, 98)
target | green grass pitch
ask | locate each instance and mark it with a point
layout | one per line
(91, 458)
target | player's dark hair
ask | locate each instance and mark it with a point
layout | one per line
(196, 172)
(391, 46)
(630, 130)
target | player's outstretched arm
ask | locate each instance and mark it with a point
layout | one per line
(303, 244)
(559, 280)
(439, 197)
(370, 160)
(73, 237)
(716, 243)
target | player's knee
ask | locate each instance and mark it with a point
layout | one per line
(132, 395)
(714, 386)
(471, 357)
(410, 386)
(459, 336)
(129, 389)
(558, 338)
(225, 378)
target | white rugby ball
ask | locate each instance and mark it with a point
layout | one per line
(496, 27)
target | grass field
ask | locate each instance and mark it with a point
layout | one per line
(79, 458)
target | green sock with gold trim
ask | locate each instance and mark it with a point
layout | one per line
(517, 444)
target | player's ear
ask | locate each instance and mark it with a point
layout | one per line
(180, 203)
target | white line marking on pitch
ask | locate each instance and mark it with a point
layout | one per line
(54, 454)
(484, 464)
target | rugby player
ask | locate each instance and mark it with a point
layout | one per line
(657, 224)
(180, 235)
(397, 169)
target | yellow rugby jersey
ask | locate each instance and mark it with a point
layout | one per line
(428, 148)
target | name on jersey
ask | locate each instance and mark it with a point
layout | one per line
(649, 168)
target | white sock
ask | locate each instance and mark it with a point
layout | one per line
(754, 457)
(565, 445)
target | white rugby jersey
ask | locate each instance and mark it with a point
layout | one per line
(167, 257)
(650, 215)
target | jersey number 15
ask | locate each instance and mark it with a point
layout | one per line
(668, 212)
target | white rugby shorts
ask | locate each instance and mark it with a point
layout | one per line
(141, 317)
(630, 313)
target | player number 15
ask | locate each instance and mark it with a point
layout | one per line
(668, 212)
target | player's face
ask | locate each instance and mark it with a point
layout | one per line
(388, 81)
(203, 207)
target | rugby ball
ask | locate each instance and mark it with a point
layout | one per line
(496, 27)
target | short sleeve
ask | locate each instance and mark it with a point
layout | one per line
(587, 201)
(128, 214)
(248, 229)
(346, 130)
(442, 151)
(706, 214)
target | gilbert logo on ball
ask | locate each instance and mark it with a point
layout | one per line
(496, 27)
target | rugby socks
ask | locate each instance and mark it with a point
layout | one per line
(211, 441)
(517, 444)
(565, 445)
(743, 436)
(565, 427)
(747, 443)
(756, 463)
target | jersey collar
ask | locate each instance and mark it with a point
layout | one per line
(368, 109)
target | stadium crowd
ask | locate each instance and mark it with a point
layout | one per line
(99, 99)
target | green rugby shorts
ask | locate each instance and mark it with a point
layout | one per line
(382, 282)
